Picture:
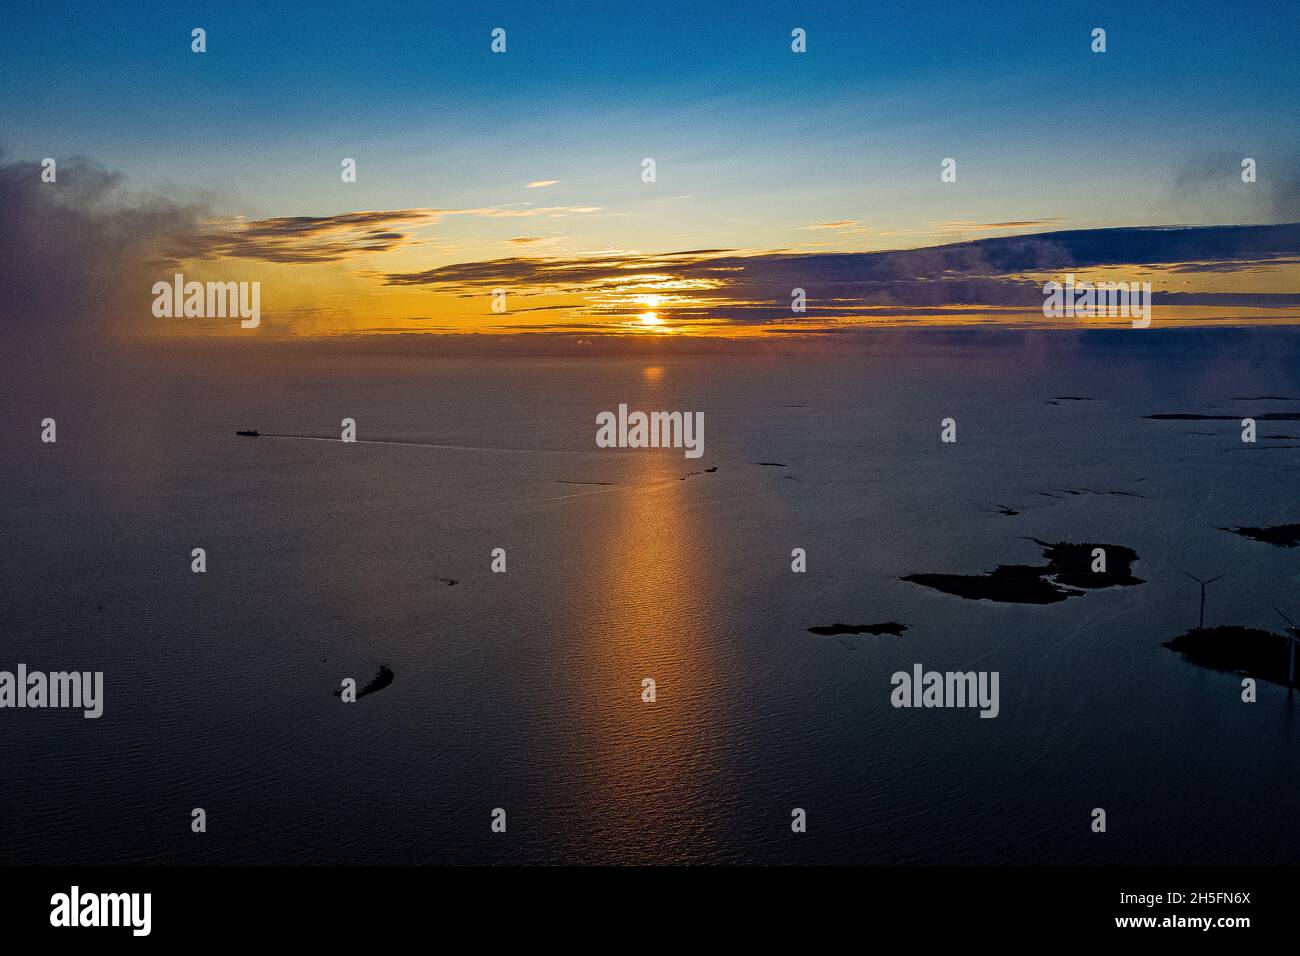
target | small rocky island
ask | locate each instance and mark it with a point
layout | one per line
(383, 677)
(835, 630)
(1237, 650)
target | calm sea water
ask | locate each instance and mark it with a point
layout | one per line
(522, 690)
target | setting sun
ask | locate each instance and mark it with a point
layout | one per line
(649, 318)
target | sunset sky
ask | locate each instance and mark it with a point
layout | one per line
(522, 170)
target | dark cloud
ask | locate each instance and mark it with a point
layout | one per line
(309, 238)
(72, 248)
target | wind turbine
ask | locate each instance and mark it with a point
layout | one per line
(1201, 625)
(1293, 638)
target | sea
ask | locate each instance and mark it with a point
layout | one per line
(525, 691)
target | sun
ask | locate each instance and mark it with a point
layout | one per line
(649, 318)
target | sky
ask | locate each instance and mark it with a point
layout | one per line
(226, 163)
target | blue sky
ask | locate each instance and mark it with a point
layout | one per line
(1041, 127)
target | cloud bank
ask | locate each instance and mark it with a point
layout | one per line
(757, 287)
(81, 253)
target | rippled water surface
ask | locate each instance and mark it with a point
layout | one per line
(523, 690)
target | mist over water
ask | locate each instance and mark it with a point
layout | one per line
(522, 690)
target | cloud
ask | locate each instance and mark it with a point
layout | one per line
(341, 236)
(568, 273)
(837, 224)
(309, 238)
(967, 225)
(539, 183)
(73, 249)
(505, 212)
(750, 287)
